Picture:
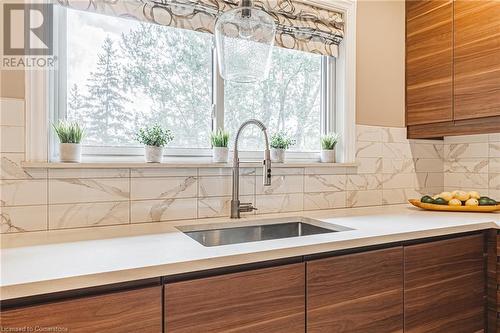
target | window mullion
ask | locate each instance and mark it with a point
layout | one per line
(332, 93)
(217, 94)
(58, 77)
(328, 91)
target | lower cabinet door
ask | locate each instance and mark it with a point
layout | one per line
(128, 311)
(445, 286)
(268, 300)
(360, 292)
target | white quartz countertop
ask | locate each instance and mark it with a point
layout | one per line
(44, 262)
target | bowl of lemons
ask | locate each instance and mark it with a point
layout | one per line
(458, 201)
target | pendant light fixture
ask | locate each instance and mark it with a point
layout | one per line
(244, 39)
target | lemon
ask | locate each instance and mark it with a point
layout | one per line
(455, 202)
(472, 202)
(474, 195)
(461, 195)
(446, 196)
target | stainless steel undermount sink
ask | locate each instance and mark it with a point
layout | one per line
(254, 231)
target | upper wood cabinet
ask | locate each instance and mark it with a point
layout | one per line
(452, 67)
(128, 311)
(477, 59)
(429, 61)
(360, 292)
(444, 286)
(262, 300)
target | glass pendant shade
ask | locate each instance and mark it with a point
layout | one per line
(244, 39)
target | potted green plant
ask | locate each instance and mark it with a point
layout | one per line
(220, 141)
(280, 142)
(154, 138)
(328, 143)
(70, 136)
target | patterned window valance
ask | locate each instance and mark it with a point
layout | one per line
(301, 26)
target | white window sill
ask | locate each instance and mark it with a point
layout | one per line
(178, 163)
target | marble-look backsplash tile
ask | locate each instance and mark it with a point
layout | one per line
(396, 150)
(394, 134)
(10, 168)
(213, 186)
(368, 149)
(281, 184)
(88, 214)
(325, 183)
(466, 150)
(369, 133)
(279, 203)
(23, 218)
(368, 165)
(473, 163)
(163, 210)
(468, 165)
(466, 180)
(88, 173)
(396, 165)
(364, 182)
(82, 190)
(494, 165)
(324, 200)
(390, 169)
(364, 198)
(163, 188)
(399, 196)
(162, 172)
(23, 192)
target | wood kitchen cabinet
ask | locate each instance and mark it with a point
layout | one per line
(126, 311)
(261, 300)
(429, 61)
(430, 286)
(452, 67)
(444, 286)
(477, 59)
(360, 292)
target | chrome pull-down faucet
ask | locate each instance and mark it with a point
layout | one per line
(236, 206)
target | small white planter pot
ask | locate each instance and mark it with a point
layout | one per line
(327, 156)
(153, 154)
(70, 152)
(278, 155)
(220, 154)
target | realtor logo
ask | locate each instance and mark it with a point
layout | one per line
(27, 29)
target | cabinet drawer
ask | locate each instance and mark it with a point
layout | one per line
(263, 300)
(360, 292)
(128, 311)
(445, 286)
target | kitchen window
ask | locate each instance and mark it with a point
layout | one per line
(119, 74)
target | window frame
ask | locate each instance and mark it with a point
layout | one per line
(337, 109)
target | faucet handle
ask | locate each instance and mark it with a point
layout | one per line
(247, 207)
